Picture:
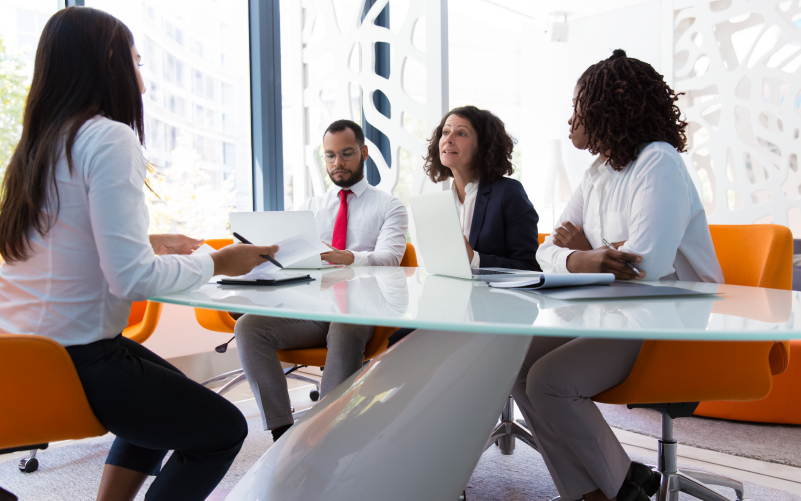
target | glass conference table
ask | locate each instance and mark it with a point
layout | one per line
(413, 423)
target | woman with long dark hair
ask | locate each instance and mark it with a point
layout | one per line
(73, 233)
(639, 196)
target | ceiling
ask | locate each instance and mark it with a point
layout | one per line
(543, 10)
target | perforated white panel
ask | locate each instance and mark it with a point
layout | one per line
(738, 61)
(337, 53)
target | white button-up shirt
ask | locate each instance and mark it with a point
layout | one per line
(377, 223)
(653, 206)
(466, 210)
(81, 277)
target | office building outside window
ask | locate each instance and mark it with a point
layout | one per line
(21, 23)
(196, 68)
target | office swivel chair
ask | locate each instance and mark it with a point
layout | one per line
(672, 377)
(47, 405)
(142, 322)
(221, 321)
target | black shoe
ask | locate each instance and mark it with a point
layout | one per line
(631, 492)
(646, 478)
(277, 432)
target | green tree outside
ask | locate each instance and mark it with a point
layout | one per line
(13, 91)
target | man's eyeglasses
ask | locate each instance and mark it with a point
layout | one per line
(346, 154)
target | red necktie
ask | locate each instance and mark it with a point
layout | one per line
(341, 224)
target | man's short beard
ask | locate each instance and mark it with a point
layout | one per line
(347, 183)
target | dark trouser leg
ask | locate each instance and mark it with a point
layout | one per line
(152, 408)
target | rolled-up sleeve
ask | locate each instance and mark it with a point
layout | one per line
(119, 219)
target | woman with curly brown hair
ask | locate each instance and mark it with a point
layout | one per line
(639, 195)
(499, 223)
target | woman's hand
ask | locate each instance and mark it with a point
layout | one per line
(571, 237)
(239, 259)
(470, 252)
(174, 244)
(604, 260)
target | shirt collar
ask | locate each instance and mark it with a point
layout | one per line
(470, 189)
(357, 188)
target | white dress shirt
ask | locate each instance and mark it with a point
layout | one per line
(81, 277)
(466, 210)
(653, 206)
(377, 223)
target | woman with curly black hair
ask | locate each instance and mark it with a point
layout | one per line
(499, 223)
(638, 195)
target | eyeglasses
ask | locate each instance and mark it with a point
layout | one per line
(346, 154)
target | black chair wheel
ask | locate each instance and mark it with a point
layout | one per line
(314, 395)
(28, 465)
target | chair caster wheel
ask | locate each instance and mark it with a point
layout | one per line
(314, 395)
(28, 465)
(463, 497)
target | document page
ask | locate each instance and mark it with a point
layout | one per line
(554, 280)
(290, 251)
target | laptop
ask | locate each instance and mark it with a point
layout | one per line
(266, 228)
(441, 241)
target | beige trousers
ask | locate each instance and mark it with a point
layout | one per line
(258, 338)
(553, 390)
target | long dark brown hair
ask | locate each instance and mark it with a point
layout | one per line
(83, 68)
(495, 145)
(625, 103)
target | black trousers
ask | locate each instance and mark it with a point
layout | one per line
(153, 408)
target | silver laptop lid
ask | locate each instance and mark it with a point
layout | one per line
(440, 234)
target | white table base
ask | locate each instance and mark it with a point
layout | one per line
(411, 425)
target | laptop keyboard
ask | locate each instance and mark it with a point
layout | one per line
(479, 271)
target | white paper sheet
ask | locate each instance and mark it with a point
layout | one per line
(553, 280)
(290, 251)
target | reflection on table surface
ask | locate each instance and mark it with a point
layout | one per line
(408, 297)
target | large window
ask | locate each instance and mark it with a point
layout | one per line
(196, 67)
(21, 23)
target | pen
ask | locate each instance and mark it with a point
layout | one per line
(248, 242)
(633, 268)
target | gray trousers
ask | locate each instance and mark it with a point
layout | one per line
(553, 390)
(258, 338)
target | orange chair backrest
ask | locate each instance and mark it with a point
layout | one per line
(43, 400)
(137, 313)
(219, 243)
(755, 255)
(409, 258)
(541, 237)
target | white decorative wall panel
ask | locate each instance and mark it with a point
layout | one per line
(335, 53)
(739, 63)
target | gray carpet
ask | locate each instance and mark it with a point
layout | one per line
(73, 473)
(774, 443)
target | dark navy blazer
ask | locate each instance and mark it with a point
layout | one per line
(504, 227)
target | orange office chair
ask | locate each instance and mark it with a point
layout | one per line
(143, 320)
(221, 321)
(49, 406)
(673, 376)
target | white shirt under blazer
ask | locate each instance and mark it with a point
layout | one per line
(377, 223)
(81, 277)
(653, 205)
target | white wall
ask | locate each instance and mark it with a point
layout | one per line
(550, 71)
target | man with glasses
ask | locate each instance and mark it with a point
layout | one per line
(364, 227)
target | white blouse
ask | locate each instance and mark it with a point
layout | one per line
(466, 211)
(81, 277)
(653, 206)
